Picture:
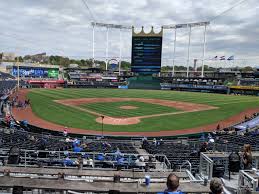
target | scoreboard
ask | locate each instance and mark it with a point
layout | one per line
(146, 54)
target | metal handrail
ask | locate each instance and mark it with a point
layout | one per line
(243, 174)
(210, 165)
(166, 161)
(27, 158)
(189, 164)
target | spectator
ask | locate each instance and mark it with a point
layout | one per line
(247, 157)
(216, 186)
(118, 154)
(77, 149)
(69, 140)
(79, 162)
(120, 163)
(202, 138)
(154, 142)
(100, 157)
(68, 162)
(12, 124)
(144, 143)
(140, 162)
(204, 147)
(218, 127)
(106, 145)
(211, 140)
(87, 160)
(65, 132)
(76, 142)
(161, 142)
(172, 184)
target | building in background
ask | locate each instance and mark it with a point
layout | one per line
(7, 56)
(37, 58)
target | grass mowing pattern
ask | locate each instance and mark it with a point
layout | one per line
(113, 108)
(44, 107)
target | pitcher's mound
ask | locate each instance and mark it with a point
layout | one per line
(128, 107)
(118, 121)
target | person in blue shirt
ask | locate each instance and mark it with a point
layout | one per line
(118, 152)
(202, 138)
(77, 149)
(172, 185)
(68, 162)
(120, 162)
(100, 157)
(76, 142)
(76, 146)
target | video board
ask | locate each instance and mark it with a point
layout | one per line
(146, 54)
(35, 72)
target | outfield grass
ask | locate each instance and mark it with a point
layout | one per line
(113, 108)
(44, 107)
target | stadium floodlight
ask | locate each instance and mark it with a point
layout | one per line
(110, 25)
(175, 26)
(199, 24)
(190, 26)
(181, 26)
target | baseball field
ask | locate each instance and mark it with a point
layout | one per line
(135, 110)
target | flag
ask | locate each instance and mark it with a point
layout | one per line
(222, 58)
(231, 58)
(215, 58)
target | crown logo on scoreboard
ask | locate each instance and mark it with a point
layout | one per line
(143, 33)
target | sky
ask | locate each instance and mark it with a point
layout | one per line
(62, 27)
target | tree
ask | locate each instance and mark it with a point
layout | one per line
(166, 68)
(247, 69)
(125, 65)
(19, 58)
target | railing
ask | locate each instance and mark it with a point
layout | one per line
(59, 157)
(207, 160)
(166, 162)
(206, 166)
(248, 180)
(187, 162)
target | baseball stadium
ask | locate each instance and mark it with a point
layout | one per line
(129, 97)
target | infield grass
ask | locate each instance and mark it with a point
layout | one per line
(113, 108)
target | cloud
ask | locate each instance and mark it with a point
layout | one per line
(63, 27)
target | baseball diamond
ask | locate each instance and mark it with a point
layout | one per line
(155, 112)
